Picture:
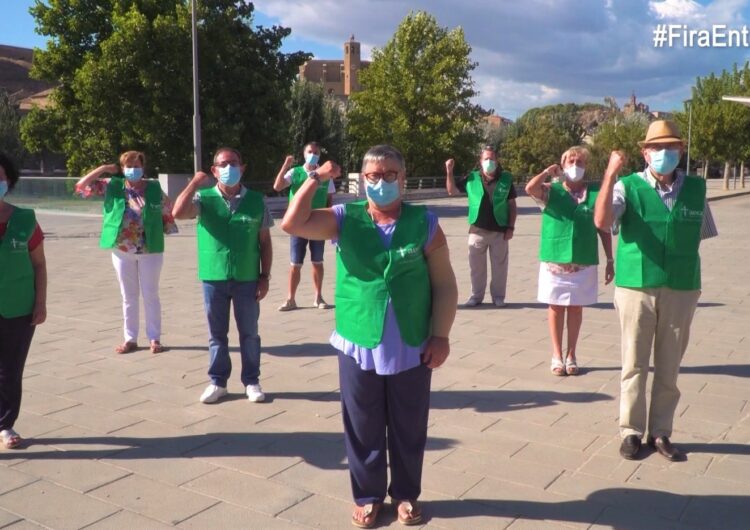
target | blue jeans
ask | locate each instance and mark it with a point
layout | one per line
(298, 249)
(217, 296)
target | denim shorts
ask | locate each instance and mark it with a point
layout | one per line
(298, 248)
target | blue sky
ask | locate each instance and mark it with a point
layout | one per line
(530, 53)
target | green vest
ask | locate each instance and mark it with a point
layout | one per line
(658, 247)
(228, 245)
(114, 209)
(368, 275)
(475, 191)
(568, 231)
(299, 176)
(17, 289)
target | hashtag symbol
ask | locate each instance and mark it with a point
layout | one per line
(660, 35)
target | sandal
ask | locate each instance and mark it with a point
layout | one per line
(11, 439)
(288, 305)
(557, 367)
(409, 512)
(571, 368)
(156, 347)
(369, 515)
(126, 347)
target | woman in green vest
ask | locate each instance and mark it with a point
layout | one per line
(396, 300)
(568, 251)
(137, 214)
(492, 218)
(23, 298)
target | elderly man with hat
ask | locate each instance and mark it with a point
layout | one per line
(661, 215)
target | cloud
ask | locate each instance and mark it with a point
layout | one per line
(539, 52)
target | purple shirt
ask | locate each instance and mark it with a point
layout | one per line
(392, 355)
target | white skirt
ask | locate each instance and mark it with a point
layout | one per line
(574, 288)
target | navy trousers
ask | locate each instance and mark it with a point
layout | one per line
(15, 340)
(384, 412)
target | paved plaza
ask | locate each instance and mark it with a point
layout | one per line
(121, 441)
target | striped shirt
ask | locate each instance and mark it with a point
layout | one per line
(668, 195)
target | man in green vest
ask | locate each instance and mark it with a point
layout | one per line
(234, 264)
(492, 218)
(661, 215)
(293, 178)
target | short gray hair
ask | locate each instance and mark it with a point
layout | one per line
(380, 153)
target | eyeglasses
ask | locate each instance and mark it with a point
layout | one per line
(225, 163)
(377, 176)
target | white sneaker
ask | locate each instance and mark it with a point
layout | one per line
(472, 302)
(255, 393)
(212, 393)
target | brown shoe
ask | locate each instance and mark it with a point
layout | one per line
(665, 448)
(630, 446)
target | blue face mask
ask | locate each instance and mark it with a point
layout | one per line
(312, 159)
(664, 161)
(230, 175)
(383, 193)
(489, 166)
(3, 188)
(133, 174)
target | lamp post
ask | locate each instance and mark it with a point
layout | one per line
(196, 96)
(689, 103)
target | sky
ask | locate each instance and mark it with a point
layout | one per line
(529, 53)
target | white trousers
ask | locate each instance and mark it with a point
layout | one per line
(139, 273)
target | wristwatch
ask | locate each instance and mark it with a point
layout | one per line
(314, 176)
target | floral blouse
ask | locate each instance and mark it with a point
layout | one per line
(132, 238)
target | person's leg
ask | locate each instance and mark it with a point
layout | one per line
(297, 250)
(498, 247)
(317, 248)
(216, 300)
(636, 310)
(675, 310)
(408, 407)
(246, 313)
(575, 319)
(126, 268)
(149, 271)
(363, 409)
(556, 321)
(477, 265)
(15, 340)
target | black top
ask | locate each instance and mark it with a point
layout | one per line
(486, 217)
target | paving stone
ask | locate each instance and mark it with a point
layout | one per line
(225, 515)
(126, 519)
(77, 474)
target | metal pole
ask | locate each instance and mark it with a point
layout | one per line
(690, 131)
(196, 97)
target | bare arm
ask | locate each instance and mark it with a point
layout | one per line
(535, 187)
(91, 176)
(450, 183)
(512, 214)
(184, 208)
(39, 264)
(266, 258)
(279, 184)
(301, 220)
(609, 271)
(444, 300)
(603, 216)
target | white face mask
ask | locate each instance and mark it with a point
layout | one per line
(574, 173)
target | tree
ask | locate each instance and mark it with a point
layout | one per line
(316, 116)
(10, 117)
(622, 133)
(123, 69)
(416, 94)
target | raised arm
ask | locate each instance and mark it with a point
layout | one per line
(450, 183)
(184, 208)
(535, 187)
(301, 220)
(603, 216)
(91, 176)
(279, 184)
(444, 300)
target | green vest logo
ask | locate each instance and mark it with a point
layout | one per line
(242, 218)
(687, 213)
(19, 245)
(409, 253)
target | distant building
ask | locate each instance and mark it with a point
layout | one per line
(15, 64)
(633, 107)
(661, 115)
(496, 122)
(340, 78)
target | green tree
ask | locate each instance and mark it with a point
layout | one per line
(123, 69)
(416, 94)
(622, 133)
(10, 117)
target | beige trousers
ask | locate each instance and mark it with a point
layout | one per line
(480, 241)
(652, 319)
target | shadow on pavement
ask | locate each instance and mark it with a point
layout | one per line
(306, 349)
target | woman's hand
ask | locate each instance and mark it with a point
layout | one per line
(609, 272)
(39, 315)
(111, 169)
(436, 352)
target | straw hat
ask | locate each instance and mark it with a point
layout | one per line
(662, 132)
